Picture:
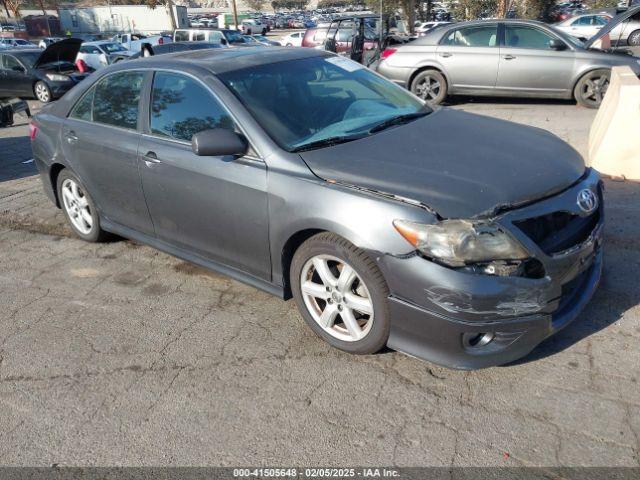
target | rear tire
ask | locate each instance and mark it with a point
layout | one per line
(341, 294)
(592, 87)
(264, 31)
(431, 86)
(633, 39)
(78, 208)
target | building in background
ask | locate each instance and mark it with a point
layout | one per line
(121, 19)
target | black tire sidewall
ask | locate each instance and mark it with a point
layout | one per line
(96, 232)
(443, 82)
(577, 91)
(329, 244)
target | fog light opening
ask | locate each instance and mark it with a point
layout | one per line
(472, 340)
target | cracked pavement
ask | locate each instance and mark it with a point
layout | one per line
(117, 354)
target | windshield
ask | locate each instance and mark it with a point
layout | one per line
(233, 36)
(113, 47)
(300, 102)
(567, 38)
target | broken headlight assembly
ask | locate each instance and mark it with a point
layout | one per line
(457, 243)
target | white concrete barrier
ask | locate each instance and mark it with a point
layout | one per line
(614, 139)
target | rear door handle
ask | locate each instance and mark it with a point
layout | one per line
(446, 54)
(151, 159)
(71, 136)
(509, 57)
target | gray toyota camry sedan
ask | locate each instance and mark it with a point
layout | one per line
(452, 237)
(516, 58)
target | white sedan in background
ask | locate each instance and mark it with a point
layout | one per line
(102, 53)
(293, 39)
(584, 26)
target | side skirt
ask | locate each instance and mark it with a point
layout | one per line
(234, 273)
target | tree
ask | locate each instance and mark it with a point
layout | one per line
(255, 5)
(14, 6)
(472, 9)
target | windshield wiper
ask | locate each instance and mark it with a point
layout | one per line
(327, 142)
(399, 120)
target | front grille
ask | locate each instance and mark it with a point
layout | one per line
(559, 231)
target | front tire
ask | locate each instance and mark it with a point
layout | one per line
(341, 294)
(592, 87)
(42, 92)
(431, 86)
(79, 209)
(633, 39)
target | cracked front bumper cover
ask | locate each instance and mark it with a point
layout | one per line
(439, 338)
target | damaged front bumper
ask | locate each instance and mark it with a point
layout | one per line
(471, 320)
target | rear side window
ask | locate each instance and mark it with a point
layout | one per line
(480, 36)
(182, 107)
(181, 36)
(112, 101)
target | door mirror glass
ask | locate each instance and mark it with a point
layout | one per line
(557, 44)
(217, 142)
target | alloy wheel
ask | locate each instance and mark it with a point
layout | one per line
(428, 88)
(77, 207)
(42, 92)
(337, 298)
(594, 89)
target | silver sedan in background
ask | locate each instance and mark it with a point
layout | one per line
(516, 58)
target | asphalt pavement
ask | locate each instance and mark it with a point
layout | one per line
(117, 354)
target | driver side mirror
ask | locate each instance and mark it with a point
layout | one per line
(218, 142)
(556, 44)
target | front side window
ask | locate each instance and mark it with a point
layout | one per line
(112, 101)
(182, 107)
(305, 101)
(480, 36)
(11, 63)
(518, 36)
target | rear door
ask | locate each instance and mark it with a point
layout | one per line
(215, 207)
(469, 56)
(100, 141)
(529, 65)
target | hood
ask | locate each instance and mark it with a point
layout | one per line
(459, 164)
(615, 21)
(62, 51)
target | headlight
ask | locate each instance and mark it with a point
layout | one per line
(459, 242)
(54, 77)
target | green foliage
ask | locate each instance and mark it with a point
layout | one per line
(472, 9)
(255, 5)
(289, 4)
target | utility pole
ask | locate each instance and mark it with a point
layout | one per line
(235, 12)
(172, 15)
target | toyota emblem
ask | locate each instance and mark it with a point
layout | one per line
(587, 200)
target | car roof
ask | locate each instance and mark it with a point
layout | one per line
(223, 60)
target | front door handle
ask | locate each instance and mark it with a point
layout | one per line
(446, 54)
(509, 57)
(151, 159)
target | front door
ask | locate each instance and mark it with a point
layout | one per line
(529, 65)
(100, 141)
(215, 207)
(469, 57)
(15, 79)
